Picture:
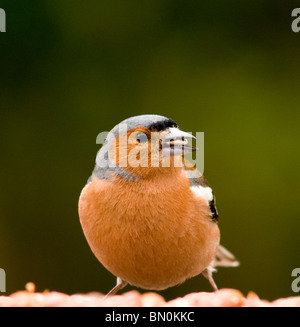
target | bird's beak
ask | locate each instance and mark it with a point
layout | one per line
(175, 142)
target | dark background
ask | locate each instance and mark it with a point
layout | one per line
(72, 69)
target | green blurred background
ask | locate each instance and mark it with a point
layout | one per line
(72, 69)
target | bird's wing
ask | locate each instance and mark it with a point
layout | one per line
(201, 188)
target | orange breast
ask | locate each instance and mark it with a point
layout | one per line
(151, 233)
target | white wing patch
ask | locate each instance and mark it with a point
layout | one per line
(203, 192)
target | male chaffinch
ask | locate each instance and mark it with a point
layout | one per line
(150, 222)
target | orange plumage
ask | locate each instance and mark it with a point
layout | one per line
(145, 236)
(151, 231)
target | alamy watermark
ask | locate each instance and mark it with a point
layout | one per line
(150, 149)
(296, 282)
(2, 20)
(296, 22)
(2, 280)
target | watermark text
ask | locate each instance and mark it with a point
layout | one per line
(2, 20)
(150, 149)
(296, 21)
(2, 280)
(296, 282)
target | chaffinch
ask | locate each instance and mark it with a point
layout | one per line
(151, 222)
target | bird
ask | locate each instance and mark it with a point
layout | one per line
(148, 215)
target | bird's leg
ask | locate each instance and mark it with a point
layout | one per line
(208, 275)
(120, 284)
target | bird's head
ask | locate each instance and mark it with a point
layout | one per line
(146, 144)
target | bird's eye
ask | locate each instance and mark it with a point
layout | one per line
(141, 137)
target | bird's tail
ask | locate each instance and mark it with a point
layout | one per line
(224, 258)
